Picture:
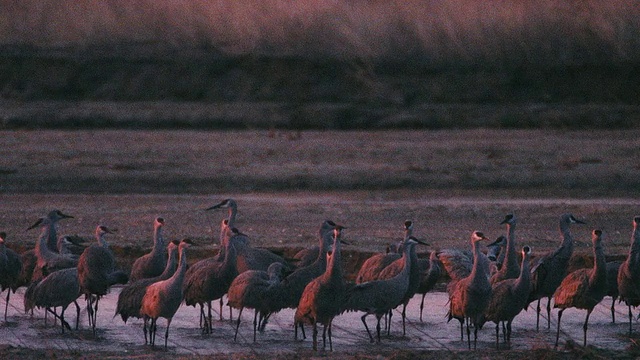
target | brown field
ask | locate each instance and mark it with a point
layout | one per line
(286, 183)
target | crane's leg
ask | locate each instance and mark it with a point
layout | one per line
(255, 322)
(389, 324)
(498, 335)
(538, 316)
(324, 336)
(77, 315)
(6, 305)
(504, 332)
(404, 317)
(509, 333)
(613, 309)
(630, 319)
(238, 326)
(315, 336)
(549, 313)
(364, 321)
(144, 328)
(166, 333)
(585, 326)
(468, 333)
(95, 315)
(558, 332)
(378, 326)
(422, 306)
(330, 337)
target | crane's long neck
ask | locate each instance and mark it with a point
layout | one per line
(101, 240)
(172, 263)
(158, 242)
(634, 251)
(52, 236)
(480, 268)
(334, 267)
(233, 211)
(42, 250)
(524, 280)
(567, 239)
(512, 259)
(178, 276)
(599, 272)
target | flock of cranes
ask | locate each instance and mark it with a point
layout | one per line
(492, 286)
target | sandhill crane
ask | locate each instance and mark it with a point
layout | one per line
(58, 289)
(373, 266)
(431, 270)
(509, 298)
(469, 297)
(163, 298)
(250, 258)
(306, 257)
(211, 280)
(583, 288)
(71, 245)
(510, 269)
(228, 223)
(97, 273)
(288, 292)
(414, 281)
(377, 297)
(458, 263)
(323, 298)
(629, 273)
(29, 257)
(49, 261)
(53, 217)
(225, 234)
(551, 268)
(10, 268)
(613, 267)
(250, 289)
(496, 251)
(130, 297)
(153, 263)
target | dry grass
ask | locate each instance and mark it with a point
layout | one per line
(443, 32)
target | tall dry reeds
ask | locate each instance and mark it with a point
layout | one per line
(434, 31)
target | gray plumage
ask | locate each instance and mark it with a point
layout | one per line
(306, 257)
(414, 279)
(29, 257)
(228, 223)
(250, 258)
(10, 269)
(250, 289)
(288, 292)
(469, 297)
(58, 289)
(163, 298)
(323, 298)
(431, 271)
(583, 288)
(550, 269)
(509, 298)
(377, 297)
(629, 273)
(153, 263)
(373, 266)
(211, 279)
(130, 298)
(97, 273)
(49, 261)
(510, 269)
